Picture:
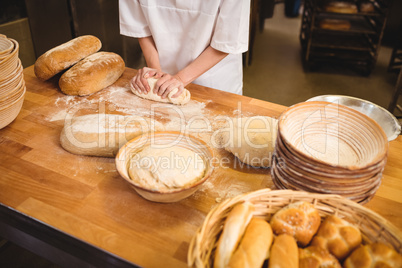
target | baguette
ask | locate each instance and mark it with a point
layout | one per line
(103, 134)
(284, 252)
(92, 74)
(65, 55)
(233, 229)
(254, 246)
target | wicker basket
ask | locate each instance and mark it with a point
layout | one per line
(374, 228)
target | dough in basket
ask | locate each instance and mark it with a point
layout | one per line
(103, 134)
(180, 100)
(250, 139)
(166, 168)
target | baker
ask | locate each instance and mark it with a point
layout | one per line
(184, 42)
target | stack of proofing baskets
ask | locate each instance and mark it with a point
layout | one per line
(12, 84)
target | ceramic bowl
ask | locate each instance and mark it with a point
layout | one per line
(383, 117)
(163, 138)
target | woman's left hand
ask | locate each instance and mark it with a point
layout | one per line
(166, 84)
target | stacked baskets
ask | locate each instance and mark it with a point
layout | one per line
(12, 84)
(331, 149)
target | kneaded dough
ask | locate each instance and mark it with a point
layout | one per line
(164, 169)
(251, 139)
(180, 100)
(103, 134)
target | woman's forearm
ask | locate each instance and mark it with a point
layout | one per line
(207, 59)
(150, 52)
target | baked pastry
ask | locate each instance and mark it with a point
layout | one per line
(338, 236)
(103, 134)
(233, 229)
(284, 252)
(254, 246)
(300, 220)
(180, 100)
(92, 74)
(366, 7)
(374, 255)
(316, 257)
(334, 24)
(341, 7)
(65, 55)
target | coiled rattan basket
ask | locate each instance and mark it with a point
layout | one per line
(374, 228)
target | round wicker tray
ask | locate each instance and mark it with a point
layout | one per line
(374, 228)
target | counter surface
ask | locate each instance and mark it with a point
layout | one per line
(85, 198)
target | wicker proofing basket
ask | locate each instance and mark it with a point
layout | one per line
(374, 228)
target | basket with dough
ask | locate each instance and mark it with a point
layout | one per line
(374, 228)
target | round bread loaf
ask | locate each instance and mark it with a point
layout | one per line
(374, 255)
(65, 55)
(338, 236)
(300, 220)
(316, 257)
(92, 74)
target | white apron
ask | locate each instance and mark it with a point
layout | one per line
(183, 29)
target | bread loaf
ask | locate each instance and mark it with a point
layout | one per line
(233, 229)
(338, 236)
(254, 246)
(180, 100)
(65, 55)
(300, 220)
(341, 7)
(316, 257)
(284, 252)
(374, 255)
(92, 74)
(335, 24)
(103, 134)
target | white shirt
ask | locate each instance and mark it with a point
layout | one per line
(183, 29)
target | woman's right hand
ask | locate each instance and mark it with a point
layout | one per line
(139, 81)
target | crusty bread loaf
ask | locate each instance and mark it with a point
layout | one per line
(180, 100)
(284, 252)
(374, 255)
(341, 7)
(254, 246)
(338, 236)
(92, 74)
(316, 257)
(233, 229)
(300, 219)
(65, 55)
(103, 134)
(334, 24)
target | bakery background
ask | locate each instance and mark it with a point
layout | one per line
(273, 67)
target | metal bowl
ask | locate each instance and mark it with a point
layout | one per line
(384, 118)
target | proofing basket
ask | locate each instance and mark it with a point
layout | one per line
(373, 227)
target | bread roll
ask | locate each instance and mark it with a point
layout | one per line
(65, 55)
(334, 24)
(284, 252)
(103, 134)
(254, 246)
(338, 236)
(341, 7)
(316, 257)
(374, 255)
(233, 229)
(92, 74)
(300, 220)
(180, 100)
(366, 7)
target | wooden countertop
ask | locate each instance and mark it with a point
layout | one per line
(86, 198)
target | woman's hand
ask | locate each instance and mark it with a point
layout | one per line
(140, 82)
(166, 84)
